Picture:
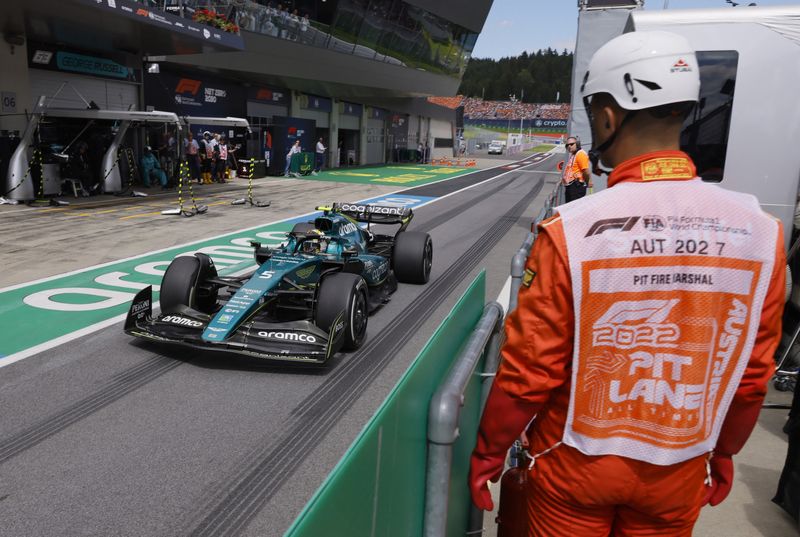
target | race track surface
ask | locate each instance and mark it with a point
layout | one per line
(105, 435)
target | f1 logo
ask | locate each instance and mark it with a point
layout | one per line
(623, 224)
(188, 85)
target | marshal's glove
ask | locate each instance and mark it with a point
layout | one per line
(721, 479)
(504, 418)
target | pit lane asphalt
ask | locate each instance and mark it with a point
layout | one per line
(109, 436)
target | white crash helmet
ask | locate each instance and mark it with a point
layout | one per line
(644, 70)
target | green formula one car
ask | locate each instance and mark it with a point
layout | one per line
(307, 299)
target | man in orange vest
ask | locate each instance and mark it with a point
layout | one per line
(644, 335)
(575, 175)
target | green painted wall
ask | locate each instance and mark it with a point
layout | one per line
(378, 488)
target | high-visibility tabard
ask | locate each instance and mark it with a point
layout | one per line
(669, 279)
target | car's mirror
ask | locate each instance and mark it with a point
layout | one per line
(349, 252)
(261, 253)
(561, 165)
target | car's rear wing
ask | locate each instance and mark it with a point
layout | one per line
(376, 214)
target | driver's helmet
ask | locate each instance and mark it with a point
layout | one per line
(315, 243)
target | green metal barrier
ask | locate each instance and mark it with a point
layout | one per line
(378, 487)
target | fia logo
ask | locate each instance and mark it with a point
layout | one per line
(653, 222)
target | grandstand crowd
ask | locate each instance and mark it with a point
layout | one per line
(475, 108)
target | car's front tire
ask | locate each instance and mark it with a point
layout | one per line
(343, 292)
(182, 285)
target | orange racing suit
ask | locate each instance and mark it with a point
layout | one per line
(606, 458)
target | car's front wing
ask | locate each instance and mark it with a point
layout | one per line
(292, 341)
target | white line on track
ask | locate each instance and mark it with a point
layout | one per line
(66, 338)
(27, 353)
(505, 295)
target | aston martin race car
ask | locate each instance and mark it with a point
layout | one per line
(308, 298)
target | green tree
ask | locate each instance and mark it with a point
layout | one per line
(540, 75)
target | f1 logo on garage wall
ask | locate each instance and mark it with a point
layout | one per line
(187, 85)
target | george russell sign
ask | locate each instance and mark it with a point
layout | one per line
(58, 59)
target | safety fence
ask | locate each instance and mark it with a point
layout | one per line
(453, 416)
(379, 486)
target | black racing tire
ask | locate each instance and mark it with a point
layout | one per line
(343, 292)
(303, 227)
(182, 287)
(412, 257)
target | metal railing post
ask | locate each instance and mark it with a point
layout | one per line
(518, 269)
(490, 365)
(443, 419)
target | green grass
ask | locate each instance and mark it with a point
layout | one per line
(541, 148)
(471, 131)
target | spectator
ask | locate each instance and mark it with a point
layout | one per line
(294, 25)
(205, 157)
(212, 155)
(192, 149)
(222, 158)
(282, 20)
(292, 151)
(151, 169)
(420, 153)
(479, 109)
(304, 22)
(320, 156)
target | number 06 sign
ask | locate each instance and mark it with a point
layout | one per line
(9, 102)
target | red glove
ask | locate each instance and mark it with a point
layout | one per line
(739, 423)
(721, 479)
(504, 418)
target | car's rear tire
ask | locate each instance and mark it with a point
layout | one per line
(412, 257)
(183, 285)
(343, 292)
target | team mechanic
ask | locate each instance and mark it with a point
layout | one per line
(642, 348)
